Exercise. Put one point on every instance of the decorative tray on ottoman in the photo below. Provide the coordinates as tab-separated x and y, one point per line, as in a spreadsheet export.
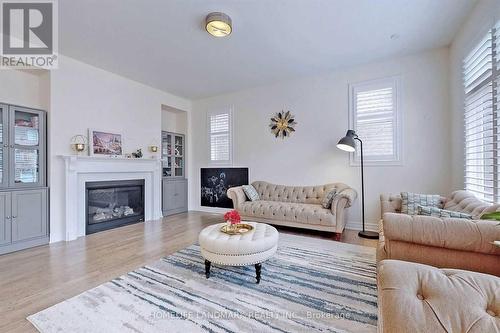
236	229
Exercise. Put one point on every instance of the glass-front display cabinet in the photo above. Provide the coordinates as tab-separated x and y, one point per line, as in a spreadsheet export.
22	156
173	154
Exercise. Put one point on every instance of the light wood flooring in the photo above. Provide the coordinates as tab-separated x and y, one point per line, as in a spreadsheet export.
34	279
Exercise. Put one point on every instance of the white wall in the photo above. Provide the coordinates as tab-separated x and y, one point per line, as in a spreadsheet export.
82	97
320	105
24	87
485	14
174	120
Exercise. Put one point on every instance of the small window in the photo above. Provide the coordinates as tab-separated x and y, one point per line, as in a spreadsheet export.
374	114
220	139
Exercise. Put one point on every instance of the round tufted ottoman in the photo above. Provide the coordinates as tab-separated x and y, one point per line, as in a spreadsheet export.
251	248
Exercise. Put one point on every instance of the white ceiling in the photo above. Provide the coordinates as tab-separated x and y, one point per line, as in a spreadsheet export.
163	43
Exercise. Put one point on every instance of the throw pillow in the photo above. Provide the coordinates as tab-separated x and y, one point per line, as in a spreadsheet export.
328	199
491	216
251	192
410	201
442	213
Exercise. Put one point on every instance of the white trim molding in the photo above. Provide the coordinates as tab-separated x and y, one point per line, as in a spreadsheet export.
82	169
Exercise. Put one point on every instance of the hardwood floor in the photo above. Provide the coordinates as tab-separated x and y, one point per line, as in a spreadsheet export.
34	279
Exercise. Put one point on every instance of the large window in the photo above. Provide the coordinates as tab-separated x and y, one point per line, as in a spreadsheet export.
481	78
374	114
219	130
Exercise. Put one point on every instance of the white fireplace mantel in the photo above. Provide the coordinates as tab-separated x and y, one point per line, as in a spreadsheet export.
82	169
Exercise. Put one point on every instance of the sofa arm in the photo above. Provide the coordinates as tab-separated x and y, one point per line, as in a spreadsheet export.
237	195
451	233
343	199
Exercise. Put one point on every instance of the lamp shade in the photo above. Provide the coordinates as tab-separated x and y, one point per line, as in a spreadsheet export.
347	143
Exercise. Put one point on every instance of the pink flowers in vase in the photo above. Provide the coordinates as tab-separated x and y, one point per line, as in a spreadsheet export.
232	217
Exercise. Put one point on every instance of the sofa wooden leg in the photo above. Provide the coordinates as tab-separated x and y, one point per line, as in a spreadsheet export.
337	236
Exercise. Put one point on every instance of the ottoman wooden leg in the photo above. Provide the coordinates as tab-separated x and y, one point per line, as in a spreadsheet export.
258	268
207	268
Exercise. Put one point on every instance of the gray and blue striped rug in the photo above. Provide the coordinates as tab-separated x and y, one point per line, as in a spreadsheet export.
311	285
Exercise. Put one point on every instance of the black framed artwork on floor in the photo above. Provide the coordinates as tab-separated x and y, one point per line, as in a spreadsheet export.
216	181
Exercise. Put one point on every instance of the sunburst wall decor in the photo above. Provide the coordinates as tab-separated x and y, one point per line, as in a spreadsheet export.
282	124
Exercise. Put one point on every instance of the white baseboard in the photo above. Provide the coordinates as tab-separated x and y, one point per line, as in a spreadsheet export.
357	225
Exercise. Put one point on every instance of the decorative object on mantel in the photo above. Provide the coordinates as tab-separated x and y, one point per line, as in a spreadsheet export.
104	143
78	143
282	124
137	153
153	149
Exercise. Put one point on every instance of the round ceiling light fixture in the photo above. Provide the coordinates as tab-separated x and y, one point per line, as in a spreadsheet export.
218	24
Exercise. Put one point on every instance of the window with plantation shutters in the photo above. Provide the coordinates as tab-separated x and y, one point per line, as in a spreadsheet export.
375	116
220	137
481	77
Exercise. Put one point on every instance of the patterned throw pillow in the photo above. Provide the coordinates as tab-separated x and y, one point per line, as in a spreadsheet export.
412	200
328	199
251	192
442	213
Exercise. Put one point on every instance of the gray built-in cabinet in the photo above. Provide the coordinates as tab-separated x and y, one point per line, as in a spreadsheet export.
23	191
174	183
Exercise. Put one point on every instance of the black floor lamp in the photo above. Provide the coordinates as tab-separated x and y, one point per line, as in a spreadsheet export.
348	143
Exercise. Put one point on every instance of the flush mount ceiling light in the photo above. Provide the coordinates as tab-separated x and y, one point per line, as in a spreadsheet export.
218	24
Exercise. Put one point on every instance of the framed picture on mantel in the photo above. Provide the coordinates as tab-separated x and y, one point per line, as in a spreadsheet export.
103	143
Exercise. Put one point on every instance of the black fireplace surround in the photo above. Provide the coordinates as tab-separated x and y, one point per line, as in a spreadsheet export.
112	204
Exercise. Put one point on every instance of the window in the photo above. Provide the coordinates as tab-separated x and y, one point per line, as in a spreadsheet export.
219	130
375	116
481	77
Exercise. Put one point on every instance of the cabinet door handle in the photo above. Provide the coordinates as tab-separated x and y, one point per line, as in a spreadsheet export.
6	145
14	217
7	217
11	146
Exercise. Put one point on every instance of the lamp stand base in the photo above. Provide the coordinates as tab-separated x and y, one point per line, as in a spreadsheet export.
368	234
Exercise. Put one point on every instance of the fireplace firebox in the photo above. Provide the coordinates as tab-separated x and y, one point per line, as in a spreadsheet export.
112	204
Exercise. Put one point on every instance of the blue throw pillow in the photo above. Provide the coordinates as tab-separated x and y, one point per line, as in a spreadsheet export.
410	201
442	213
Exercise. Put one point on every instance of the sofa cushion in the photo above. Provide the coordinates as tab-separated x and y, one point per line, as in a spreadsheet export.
410	201
295	194
420	298
450	233
251	192
328	198
288	211
438	212
464	201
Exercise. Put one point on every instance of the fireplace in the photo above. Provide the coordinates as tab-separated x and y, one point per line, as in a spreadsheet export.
112	204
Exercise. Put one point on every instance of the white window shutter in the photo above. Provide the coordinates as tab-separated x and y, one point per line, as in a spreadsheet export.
219	129
375	116
480	119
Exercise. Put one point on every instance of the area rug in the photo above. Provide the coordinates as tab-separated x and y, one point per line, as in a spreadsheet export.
310	285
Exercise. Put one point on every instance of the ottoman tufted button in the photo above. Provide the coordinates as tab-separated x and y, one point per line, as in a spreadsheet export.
420	297
491	312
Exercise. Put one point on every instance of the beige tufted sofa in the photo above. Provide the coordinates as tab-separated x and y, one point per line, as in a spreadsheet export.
413	297
449	242
295	206
419	298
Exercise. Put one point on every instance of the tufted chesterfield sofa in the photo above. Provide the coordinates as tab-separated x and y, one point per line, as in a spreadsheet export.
413	297
447	243
420	298
295	206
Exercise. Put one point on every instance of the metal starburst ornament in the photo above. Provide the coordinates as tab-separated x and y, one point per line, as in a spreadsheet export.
282	124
